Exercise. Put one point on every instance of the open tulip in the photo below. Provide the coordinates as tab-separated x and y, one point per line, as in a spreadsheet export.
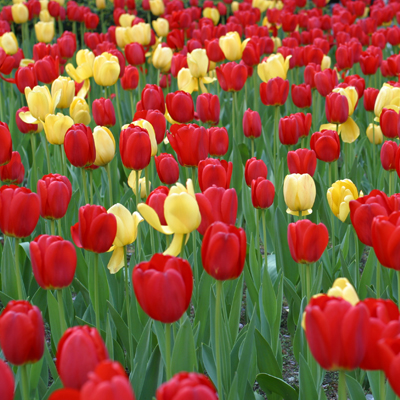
299	192
14	171
84	70
67	87
275	66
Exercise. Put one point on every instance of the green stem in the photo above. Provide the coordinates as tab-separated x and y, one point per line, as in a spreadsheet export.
391	183
61	168
168	351
146	175
308	281
33	146
356	272
137	203
378	280
342	395
59	227
18	271
182	254
46	147
96	291
128	309
264	227
373	148
218	354
382	386
276	137
252	147
84	184
91	185
25	382
110	194
63	321
256	94
118	105
60	27
132	102
257	238
303	142
332	224
194	177
52	227
102	20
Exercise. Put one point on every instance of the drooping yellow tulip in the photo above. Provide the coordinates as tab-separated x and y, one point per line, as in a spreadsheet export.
84	70
299	192
104	143
198	63
161	27
106	69
9	43
339	195
56	126
349	131
388	95
344	289
79	111
127	230
44	31
273	67
67	87
181	212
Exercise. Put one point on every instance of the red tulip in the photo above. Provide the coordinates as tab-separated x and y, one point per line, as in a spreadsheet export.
388	155
188	386
388	349
390	123
370	95
356	81
167	168
288	130
301	95
79	146
53	261
79	351
219	141
254	169
156	200
152	99
180	106
231	76
304	122
176	39
7	382
163	287
325	81
67	45
262	193
14	171
214	51
213	172
47	69
135	147
336	332
103	112
274	92
208	108
95	230
223	251
344	57
336	108
23	126
130	80
19	211
251	124
307	241
369	63
178	62
55	193
65	394
91	20
135	54
309	74
302	161
5	144
157	121
326	145
190	142
25	77
21	333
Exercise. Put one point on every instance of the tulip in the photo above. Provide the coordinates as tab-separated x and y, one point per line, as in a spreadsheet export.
162	58
67	45
254	169
108	379
389	356
91	20
135	147
351	95
25	77
343	289
344	57
326	145
40	102
374	134
188	385
79	111
67	87
251	124
156	201
79	146
172	279
6	144
275	66
336	108
167	168
135	54
46	69
156	120
161	27
14	171
79	351
307	241
219	141
190	142
44	31
262	193
130	80
390	121
369	63
388	155
56	127
178	62
106	69
301	95
23	126
103	112
213	172
370	95
186	81
104	143
288	130
19	211
339	195
85	61
182	215
180	106
231	46
275	92
55	192
157	7
223	242
299	192
198	64
212	13
142	184
302	161
141	33
152	99
336	332
176	39
20	13
232	76
208	108
7	382
8	42
385	97
325	81
125	20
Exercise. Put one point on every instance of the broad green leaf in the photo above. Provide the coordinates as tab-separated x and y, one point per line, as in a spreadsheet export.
269	383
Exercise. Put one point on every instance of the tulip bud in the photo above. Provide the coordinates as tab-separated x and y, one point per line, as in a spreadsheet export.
161	27
251	124
231	76
208	108
390	122
288	130
374	133
56	126
336	108
152	99
135	148
326	145
9	43
231	46
130	80
180	106
302	161
262	193
301	95
105	146
370	95
79	111
103	112
162	58
299	192
20	13
167	168
325	81
157	7
219	141
79	146
388	155
254	169
213	172
198	63
67	87
274	92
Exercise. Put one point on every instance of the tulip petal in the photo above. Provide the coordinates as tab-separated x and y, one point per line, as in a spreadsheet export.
116	261
152	219
175	247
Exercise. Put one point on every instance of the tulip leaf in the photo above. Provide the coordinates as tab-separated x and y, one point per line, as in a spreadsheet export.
234	315
307	384
244	152
266	360
355	390
269	383
109	338
57	384
366	277
184	344
54	318
233	392
209	363
8	271
25	246
253	293
122	328
35	370
154	375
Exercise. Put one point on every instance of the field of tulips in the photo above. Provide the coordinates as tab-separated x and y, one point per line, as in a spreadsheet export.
198	200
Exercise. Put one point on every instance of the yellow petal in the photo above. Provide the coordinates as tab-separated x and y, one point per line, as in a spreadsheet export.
349	131
116	261
175	247
152	219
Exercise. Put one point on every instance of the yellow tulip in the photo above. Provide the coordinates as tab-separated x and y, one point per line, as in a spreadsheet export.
60	2
84	60
44	31
125	20
162	58
142	184
349	131
25	62
374	134
325	63
262	5
106	69
273	67
210	12
45	16
56	126
343	288
157	7
299	193
150	130
9	43
18	1
140	33
79	111
127	230
161	27
20	13
235	6
44	4
101	4
40	102
231	46
388	95
351	95
105	145
121	36
186	81
339	195
198	63
181	213
67	87
277	43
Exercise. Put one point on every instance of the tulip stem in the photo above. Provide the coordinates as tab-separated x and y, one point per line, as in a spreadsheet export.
91	185
252	147
357	261
373	147
118	105
342	385
96	291
391	183
63	322
378	280
110	194
276	134
256	95
168	351
132	102
308	282
146	174
218	354
332	224
265	237
25	382
46	147
102	20
52	227
137	203
33	145
257	238
128	309
84	183
233	117
18	271
382	388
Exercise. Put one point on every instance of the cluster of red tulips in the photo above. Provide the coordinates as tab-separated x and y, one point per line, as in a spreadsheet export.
175	290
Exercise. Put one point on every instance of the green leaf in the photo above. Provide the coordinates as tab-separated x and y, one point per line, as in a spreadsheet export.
366	277
355	390
54	318
266	360
307	384
154	374
8	271
269	383
209	364
122	329
234	316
